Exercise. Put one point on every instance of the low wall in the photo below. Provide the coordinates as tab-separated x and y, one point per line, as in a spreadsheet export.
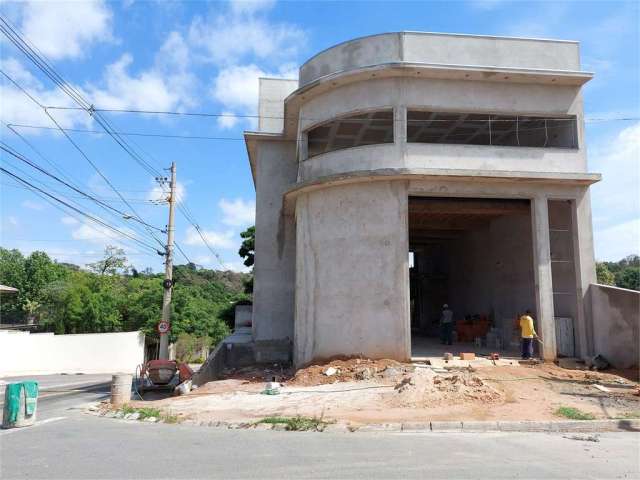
616	324
24	353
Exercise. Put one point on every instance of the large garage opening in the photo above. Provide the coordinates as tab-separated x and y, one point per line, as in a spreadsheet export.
475	255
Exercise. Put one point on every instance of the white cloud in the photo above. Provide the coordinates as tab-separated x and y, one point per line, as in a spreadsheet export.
616	199
66	29
250	6
69	221
18	108
237	87
227	121
237	212
228	38
31	205
225	240
90	231
616	242
158	192
167	85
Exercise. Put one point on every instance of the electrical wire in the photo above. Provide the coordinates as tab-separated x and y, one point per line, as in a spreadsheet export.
77	210
10	151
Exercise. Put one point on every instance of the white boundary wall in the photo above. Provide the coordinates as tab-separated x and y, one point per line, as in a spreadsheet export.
24	353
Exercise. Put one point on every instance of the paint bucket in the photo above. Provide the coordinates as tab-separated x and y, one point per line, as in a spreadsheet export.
121	388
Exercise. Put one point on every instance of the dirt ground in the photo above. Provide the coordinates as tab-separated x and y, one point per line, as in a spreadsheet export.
361	391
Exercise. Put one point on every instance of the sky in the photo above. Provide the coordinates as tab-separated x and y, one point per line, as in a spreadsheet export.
207	57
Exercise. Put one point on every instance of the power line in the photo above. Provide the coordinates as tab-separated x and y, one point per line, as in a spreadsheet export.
191	219
10	151
135	134
295	118
182	252
77	210
84	155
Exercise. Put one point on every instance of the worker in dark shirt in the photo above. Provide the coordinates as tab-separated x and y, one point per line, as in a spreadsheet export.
446	325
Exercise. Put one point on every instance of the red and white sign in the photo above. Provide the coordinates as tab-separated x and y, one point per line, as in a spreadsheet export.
163	326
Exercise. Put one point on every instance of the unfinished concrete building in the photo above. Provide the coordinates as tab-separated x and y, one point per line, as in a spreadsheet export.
407	170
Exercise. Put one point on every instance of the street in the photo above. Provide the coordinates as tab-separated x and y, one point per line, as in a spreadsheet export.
65	443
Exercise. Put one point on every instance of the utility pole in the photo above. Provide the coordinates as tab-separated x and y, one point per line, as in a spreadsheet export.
168	269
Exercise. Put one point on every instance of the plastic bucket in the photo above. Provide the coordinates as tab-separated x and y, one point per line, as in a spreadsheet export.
20	404
121	388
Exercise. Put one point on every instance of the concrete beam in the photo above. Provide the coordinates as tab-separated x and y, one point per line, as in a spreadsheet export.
458	206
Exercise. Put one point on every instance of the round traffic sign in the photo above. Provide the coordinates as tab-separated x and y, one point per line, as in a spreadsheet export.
163	326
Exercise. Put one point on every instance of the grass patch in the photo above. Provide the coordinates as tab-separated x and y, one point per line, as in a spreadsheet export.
296	423
146	412
170	418
574	414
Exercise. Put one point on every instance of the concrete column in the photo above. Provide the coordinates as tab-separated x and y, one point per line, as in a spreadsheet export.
543	279
585	271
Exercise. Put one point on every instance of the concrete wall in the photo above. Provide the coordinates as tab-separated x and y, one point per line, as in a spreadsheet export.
273	91
352	273
24	353
274	269
616	324
448	49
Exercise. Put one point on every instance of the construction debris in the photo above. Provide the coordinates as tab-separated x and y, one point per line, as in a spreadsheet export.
467	356
426	388
602	388
330	371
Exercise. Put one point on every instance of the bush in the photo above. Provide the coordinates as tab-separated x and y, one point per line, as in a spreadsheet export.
192	349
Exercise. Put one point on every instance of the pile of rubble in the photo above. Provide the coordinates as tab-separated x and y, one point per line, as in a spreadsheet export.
425	388
349	370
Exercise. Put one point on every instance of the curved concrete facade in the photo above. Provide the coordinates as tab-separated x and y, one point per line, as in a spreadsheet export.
332	231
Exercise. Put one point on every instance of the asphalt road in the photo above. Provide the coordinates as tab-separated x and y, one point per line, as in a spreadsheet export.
65	443
82	446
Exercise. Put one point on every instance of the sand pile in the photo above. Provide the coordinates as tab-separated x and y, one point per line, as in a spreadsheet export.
424	388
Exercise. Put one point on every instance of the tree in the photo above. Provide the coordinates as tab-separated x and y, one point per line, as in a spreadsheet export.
248	247
114	262
604	275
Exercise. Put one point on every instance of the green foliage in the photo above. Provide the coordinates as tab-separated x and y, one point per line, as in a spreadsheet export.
64	299
248	247
574	413
626	272
604	275
190	348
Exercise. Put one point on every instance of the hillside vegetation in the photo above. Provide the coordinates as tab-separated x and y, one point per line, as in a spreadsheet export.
109	296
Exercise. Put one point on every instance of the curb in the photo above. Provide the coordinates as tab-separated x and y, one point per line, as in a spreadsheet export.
569	426
549	426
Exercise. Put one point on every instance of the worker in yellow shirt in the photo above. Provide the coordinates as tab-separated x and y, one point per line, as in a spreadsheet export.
528	333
